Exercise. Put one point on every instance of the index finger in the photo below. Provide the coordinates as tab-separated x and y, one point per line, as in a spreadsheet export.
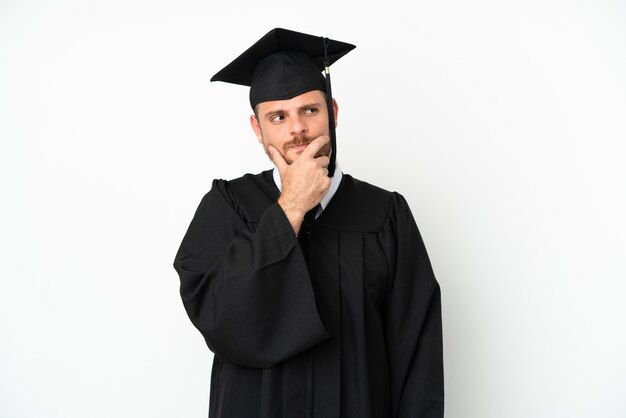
315	145
278	159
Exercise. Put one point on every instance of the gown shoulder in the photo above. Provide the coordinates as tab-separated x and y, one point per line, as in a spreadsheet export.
250	195
358	206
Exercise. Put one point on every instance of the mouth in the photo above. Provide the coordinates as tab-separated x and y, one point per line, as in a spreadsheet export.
298	148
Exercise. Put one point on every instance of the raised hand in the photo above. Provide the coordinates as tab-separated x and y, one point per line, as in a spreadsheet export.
304	182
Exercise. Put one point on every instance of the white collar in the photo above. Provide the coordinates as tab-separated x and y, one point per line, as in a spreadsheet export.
334	185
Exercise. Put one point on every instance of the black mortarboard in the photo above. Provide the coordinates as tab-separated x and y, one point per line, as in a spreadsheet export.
284	64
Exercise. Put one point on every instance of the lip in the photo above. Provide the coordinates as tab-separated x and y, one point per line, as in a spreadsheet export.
298	148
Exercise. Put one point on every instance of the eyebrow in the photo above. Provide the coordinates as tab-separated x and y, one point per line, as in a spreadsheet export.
281	111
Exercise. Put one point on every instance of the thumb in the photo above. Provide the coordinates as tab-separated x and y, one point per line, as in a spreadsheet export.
278	159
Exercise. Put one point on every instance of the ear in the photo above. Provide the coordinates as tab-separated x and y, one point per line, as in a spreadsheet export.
254	122
336	110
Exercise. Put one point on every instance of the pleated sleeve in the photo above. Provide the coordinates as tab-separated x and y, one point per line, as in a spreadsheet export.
413	320
246	289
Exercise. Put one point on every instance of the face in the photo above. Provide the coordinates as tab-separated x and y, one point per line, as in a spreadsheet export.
290	125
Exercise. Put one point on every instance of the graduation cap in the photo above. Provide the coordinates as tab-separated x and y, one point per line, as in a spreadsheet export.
284	64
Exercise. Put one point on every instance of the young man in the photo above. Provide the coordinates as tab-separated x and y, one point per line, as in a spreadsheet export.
313	289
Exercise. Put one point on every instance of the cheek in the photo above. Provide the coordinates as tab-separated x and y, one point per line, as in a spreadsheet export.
322	123
273	135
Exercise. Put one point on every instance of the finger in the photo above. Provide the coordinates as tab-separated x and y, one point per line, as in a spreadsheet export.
278	159
323	161
315	145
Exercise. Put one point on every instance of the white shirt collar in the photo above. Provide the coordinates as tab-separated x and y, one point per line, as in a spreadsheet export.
334	185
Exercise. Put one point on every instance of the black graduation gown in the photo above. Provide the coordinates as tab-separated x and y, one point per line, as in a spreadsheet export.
349	328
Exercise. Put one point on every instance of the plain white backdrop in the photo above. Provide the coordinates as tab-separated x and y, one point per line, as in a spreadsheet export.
503	123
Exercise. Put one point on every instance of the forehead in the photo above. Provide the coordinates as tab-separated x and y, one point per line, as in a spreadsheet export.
310	97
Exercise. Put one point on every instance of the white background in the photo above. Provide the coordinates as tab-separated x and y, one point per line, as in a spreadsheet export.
503	124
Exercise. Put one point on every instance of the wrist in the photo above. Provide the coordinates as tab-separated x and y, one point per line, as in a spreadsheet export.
289	207
293	213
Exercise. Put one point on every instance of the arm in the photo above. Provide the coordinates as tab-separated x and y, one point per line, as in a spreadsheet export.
413	319
248	293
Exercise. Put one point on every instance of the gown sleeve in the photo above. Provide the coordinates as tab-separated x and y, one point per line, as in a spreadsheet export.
413	321
247	292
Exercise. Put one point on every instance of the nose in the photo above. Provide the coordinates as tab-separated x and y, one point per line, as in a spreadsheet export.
298	125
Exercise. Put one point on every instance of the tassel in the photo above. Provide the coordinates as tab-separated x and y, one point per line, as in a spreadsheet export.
331	111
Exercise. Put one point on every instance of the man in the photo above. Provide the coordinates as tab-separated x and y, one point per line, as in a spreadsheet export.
313	289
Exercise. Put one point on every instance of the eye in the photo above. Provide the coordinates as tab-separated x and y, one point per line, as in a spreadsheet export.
277	118
310	110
